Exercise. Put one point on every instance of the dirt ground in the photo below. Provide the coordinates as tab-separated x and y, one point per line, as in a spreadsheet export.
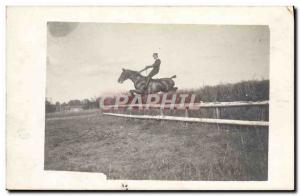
154	150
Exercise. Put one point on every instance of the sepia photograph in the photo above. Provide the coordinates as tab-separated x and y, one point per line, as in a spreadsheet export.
158	101
150	98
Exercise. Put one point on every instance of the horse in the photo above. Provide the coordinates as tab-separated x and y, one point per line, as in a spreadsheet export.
139	81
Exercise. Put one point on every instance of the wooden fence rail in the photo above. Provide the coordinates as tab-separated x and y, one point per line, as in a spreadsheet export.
200	105
189	119
187	107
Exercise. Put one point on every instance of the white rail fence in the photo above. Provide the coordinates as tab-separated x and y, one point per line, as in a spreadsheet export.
216	105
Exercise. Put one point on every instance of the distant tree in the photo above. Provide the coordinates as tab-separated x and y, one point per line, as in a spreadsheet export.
49	106
74	102
86	104
57	106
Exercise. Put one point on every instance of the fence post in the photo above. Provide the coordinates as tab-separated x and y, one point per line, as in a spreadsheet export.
217	116
161	114
217	111
186	115
186	112
129	108
161	111
262	113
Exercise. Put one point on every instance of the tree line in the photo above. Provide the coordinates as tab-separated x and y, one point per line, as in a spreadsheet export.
84	104
252	90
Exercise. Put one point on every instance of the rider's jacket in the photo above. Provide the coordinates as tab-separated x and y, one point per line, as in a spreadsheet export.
156	66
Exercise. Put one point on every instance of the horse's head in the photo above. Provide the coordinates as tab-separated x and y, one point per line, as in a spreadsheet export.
124	75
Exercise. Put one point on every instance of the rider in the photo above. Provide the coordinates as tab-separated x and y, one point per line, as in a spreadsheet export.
154	71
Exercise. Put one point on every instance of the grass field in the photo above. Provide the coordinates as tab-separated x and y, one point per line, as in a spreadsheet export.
154	150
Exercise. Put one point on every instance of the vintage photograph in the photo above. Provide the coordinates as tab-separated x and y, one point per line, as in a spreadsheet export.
178	102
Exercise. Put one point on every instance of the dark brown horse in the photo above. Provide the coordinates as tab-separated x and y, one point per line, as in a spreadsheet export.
139	81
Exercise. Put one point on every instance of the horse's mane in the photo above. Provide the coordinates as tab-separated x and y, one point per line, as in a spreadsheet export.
135	72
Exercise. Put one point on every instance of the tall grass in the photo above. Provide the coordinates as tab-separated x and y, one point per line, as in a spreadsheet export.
133	149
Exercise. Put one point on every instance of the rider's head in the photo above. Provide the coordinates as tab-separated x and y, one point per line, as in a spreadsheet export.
155	55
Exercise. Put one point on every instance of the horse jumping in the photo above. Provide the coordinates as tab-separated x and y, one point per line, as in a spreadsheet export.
139	81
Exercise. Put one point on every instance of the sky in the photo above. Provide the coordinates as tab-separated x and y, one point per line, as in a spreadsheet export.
84	60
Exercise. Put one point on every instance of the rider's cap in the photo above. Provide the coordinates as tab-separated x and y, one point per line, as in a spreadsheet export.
155	54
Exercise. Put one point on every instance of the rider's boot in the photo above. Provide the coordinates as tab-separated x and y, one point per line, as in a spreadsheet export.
147	83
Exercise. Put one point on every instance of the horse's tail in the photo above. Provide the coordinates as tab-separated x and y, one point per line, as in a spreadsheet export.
173	77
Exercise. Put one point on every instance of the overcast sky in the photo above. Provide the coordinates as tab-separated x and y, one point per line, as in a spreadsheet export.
84	60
